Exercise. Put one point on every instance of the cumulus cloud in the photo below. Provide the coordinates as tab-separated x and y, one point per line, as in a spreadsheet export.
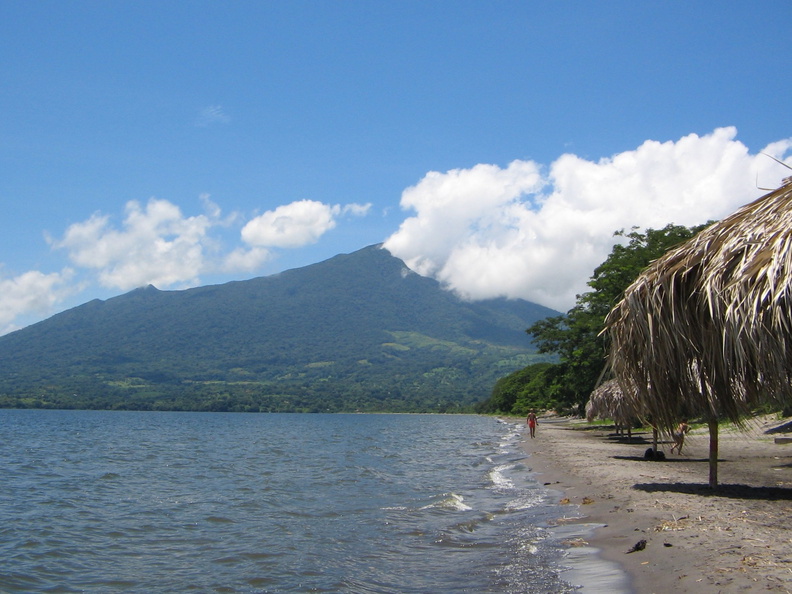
297	224
31	293
156	244
519	232
245	260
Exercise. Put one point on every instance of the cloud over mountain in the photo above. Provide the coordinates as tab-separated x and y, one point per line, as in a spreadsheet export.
526	229
523	231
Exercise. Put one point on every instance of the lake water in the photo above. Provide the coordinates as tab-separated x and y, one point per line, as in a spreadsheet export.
100	501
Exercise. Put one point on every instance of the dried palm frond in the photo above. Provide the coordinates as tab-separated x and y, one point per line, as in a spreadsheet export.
607	401
707	328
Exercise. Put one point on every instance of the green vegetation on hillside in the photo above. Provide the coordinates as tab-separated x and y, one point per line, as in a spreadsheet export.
356	332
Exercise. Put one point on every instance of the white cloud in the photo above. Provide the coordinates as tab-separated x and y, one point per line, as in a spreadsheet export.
475	205
289	226
357	210
156	245
487	231
211	208
292	225
31	293
245	260
212	114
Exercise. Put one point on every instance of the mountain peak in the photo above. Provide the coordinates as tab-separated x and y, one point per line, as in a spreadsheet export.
354	332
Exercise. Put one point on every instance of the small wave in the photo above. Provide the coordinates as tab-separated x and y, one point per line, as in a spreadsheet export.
450	501
524	502
116	584
499	480
259	582
260	556
219	520
229	560
509	442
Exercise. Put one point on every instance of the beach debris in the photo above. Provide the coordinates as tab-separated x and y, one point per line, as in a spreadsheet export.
565	501
574	542
675	524
638	546
667	544
587	501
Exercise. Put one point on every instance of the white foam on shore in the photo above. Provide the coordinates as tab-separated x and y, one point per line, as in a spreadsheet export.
526	501
584	568
499	479
450	501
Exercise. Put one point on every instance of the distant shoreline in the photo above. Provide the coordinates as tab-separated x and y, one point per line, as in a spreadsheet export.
696	540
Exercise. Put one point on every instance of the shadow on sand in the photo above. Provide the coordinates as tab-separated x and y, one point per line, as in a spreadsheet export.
668	459
729	491
785	428
635	439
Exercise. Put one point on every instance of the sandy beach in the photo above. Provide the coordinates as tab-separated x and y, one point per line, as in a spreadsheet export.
738	538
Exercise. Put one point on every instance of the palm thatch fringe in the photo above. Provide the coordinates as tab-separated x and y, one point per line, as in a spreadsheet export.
607	401
707	328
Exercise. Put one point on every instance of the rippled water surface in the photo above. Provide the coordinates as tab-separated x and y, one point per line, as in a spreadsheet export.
94	501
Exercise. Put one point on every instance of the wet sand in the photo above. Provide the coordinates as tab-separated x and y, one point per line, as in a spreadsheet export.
736	538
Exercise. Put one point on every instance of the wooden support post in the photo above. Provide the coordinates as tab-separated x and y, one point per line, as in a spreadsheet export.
713	451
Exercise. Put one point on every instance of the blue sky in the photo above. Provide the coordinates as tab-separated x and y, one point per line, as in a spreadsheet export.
493	145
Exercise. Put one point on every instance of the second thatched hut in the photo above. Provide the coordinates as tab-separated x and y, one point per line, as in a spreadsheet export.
607	401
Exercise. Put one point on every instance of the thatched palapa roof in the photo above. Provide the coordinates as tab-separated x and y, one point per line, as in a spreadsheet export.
707	328
607	401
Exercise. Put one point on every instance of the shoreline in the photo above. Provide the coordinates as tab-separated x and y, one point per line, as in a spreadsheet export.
697	540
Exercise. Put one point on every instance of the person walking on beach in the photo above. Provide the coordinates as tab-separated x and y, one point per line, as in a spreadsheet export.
679	437
531	420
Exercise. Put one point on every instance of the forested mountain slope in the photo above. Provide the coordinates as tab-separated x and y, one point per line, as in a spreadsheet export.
356	332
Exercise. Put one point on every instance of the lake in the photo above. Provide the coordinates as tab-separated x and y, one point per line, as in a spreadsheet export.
104	501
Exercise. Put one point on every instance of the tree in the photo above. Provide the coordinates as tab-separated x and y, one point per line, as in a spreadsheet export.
576	337
520	391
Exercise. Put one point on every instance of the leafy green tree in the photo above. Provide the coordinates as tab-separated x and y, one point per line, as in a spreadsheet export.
575	337
521	391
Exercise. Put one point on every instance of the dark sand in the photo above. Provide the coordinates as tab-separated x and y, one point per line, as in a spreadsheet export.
735	539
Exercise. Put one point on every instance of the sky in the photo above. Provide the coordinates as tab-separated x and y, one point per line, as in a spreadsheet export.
496	146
